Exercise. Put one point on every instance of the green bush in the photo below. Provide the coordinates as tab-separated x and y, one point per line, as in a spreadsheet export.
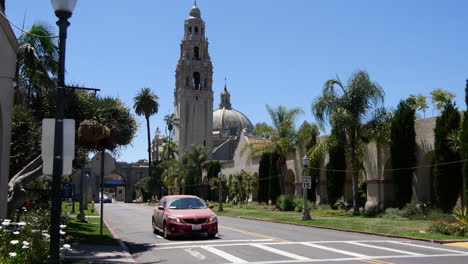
342	204
411	210
285	202
298	203
461	215
451	229
392	213
26	241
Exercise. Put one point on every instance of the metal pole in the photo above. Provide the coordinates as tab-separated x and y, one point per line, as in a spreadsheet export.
58	142
220	195
73	198
305	208
102	190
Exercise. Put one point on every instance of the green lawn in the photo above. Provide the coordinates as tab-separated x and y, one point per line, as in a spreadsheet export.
87	233
67	208
382	225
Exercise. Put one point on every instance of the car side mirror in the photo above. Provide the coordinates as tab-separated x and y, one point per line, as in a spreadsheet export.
160	207
210	206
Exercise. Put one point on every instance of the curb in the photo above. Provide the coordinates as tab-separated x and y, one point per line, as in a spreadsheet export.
116	237
353	231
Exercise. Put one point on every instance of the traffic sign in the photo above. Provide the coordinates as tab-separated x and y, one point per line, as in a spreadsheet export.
307	182
67	190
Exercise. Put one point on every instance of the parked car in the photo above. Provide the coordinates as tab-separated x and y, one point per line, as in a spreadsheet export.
106	198
178	215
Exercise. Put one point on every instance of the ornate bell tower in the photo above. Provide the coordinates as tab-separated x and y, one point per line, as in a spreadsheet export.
193	104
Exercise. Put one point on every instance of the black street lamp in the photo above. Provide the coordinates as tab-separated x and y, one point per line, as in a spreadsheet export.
220	192
305	208
183	186
63	10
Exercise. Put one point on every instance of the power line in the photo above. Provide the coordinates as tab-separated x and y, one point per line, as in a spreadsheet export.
23	31
397	169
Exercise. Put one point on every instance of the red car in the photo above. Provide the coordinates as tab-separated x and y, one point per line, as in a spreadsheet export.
178	215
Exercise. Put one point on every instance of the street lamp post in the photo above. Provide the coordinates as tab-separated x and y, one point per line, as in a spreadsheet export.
63	10
220	192
183	186
305	208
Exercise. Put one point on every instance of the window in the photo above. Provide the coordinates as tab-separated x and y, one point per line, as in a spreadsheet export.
186	82
196	53
196	30
190	30
196	81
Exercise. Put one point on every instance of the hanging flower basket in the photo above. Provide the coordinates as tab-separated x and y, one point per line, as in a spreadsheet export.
91	131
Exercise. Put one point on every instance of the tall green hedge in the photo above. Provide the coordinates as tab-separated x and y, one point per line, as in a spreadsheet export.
403	151
464	146
447	178
263	175
337	161
464	141
274	189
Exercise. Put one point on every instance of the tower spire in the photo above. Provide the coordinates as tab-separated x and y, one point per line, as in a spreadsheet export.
195	2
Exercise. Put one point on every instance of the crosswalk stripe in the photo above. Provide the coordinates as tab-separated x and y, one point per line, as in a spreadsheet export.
420	246
344	252
224	255
384	248
282	252
252	233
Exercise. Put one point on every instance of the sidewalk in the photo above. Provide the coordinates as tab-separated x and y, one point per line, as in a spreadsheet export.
99	253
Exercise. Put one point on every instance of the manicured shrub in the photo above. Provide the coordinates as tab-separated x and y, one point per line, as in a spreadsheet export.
447	178
263	175
298	203
335	179
285	202
451	229
274	189
403	151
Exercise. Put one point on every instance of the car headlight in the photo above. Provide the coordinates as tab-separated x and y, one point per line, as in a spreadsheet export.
173	219
213	218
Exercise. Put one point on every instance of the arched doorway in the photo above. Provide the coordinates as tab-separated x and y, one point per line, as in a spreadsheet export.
114	184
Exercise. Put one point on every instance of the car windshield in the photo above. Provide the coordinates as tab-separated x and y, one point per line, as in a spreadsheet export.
187	203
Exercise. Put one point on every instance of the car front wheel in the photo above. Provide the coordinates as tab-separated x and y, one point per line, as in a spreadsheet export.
155	230
164	230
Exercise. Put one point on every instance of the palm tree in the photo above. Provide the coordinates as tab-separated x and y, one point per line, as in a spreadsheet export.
169	151
346	109
282	140
171	122
37	60
146	103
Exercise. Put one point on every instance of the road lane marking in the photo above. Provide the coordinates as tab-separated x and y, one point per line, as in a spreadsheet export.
210	241
195	254
458	244
384	248
282	252
420	246
254	234
229	257
374	261
344	252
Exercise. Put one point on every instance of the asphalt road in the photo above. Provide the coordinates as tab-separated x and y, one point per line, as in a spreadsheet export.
249	241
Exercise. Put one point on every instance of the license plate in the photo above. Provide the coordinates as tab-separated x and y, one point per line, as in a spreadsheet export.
196	227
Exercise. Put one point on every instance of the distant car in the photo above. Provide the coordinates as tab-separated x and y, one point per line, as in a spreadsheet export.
106	199
178	215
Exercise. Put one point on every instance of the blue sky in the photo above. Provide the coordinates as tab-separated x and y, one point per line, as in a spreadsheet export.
272	52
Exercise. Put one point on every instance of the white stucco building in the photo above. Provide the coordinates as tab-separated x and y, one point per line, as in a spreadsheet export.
8	49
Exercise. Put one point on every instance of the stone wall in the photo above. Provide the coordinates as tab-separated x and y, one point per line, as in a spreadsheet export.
377	163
